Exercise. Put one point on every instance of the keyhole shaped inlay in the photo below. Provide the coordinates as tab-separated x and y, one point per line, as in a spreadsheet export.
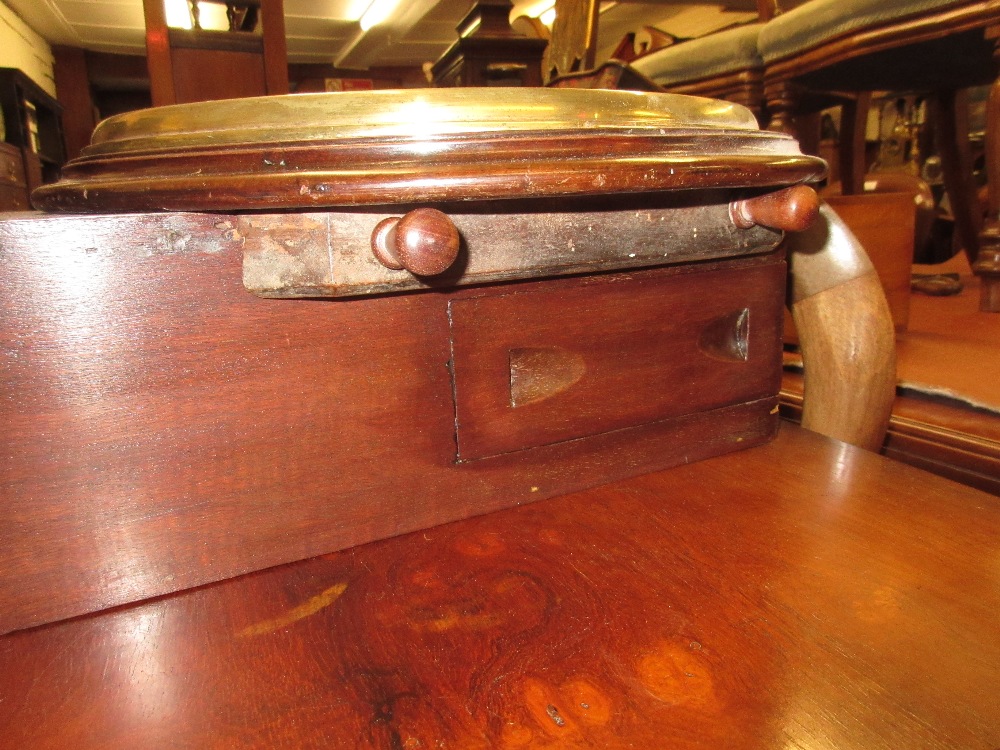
539	373
726	337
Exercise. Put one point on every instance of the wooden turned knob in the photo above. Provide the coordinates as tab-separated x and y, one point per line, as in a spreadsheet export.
424	242
793	209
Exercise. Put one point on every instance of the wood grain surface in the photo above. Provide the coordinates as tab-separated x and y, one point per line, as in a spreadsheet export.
271	175
803	594
335	254
163	427
643	352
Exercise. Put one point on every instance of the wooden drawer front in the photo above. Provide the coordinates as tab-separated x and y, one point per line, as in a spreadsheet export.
13	198
161	428
11	167
330	254
577	359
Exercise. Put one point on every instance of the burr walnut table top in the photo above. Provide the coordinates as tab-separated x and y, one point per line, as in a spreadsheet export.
800	594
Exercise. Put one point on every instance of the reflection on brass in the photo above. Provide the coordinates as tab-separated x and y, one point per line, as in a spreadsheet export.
420	114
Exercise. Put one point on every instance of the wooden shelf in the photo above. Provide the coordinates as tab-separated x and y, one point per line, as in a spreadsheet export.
33	122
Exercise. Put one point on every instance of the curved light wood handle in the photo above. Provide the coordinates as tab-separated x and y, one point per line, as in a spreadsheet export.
424	241
790	210
846	334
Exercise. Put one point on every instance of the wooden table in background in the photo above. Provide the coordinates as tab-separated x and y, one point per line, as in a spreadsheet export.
803	594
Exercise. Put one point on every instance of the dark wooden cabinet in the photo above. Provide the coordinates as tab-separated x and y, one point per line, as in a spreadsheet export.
13	188
268	430
33	124
489	52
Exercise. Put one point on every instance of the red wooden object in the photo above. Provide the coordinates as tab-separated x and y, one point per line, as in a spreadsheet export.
801	592
174	419
166	428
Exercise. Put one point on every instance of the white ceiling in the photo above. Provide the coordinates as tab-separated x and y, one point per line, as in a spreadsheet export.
325	31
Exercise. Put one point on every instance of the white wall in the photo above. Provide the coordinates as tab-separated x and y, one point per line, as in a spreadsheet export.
21	47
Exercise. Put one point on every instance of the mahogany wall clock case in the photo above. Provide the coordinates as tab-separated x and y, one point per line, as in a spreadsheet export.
250	332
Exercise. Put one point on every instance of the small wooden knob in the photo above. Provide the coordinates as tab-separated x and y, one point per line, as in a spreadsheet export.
425	242
793	209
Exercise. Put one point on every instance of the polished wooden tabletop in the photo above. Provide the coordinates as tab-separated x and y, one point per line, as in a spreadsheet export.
803	594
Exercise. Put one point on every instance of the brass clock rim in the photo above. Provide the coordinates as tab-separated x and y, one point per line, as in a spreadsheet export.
192	157
415	114
239	191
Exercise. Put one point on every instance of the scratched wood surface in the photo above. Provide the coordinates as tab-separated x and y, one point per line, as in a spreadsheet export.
330	254
161	427
384	148
803	594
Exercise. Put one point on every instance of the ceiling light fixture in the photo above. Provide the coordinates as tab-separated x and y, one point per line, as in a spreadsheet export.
545	10
211	16
378	12
178	14
534	9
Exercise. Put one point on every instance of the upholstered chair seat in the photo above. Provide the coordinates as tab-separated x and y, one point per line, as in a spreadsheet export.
725	65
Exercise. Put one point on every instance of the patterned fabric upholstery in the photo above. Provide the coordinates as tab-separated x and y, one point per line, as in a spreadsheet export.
818	21
727	51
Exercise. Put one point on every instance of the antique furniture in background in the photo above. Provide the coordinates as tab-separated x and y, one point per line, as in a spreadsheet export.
193	65
825	53
489	52
13	188
724	65
815	53
33	125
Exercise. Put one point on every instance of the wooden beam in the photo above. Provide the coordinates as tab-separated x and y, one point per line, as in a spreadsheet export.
161	71
275	46
73	93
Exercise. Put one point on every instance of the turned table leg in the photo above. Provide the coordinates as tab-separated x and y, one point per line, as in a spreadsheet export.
949	111
854	117
987	263
780	104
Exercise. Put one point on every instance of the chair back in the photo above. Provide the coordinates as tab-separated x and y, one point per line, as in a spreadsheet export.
192	65
573	46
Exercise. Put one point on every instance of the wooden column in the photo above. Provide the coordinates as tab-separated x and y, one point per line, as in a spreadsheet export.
780	103
854	117
161	70
272	14
950	114
73	93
